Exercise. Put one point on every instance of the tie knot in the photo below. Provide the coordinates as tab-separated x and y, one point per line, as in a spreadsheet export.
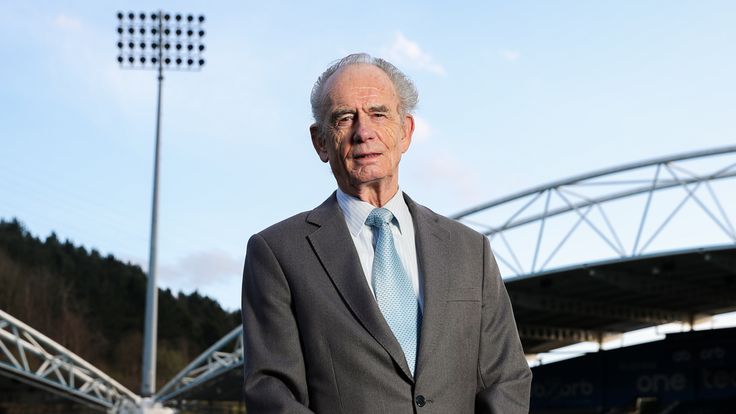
379	217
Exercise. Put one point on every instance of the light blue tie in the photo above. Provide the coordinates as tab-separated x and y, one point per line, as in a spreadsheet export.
392	287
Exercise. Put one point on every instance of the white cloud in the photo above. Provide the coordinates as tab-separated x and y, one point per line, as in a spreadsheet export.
408	53
510	55
69	23
201	268
214	273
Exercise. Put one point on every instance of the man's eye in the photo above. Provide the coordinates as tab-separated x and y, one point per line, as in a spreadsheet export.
344	120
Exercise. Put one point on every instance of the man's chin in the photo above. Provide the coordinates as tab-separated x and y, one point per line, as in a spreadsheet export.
367	180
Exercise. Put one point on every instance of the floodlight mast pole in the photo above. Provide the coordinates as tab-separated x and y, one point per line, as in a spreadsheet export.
175	43
150	333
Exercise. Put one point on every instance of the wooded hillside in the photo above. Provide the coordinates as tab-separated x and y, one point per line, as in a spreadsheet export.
94	306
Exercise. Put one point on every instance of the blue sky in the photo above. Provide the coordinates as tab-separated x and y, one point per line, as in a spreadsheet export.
512	95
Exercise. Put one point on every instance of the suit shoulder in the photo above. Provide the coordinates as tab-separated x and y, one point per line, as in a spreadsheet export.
290	227
296	228
453	226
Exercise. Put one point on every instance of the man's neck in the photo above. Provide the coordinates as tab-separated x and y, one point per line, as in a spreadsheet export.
377	196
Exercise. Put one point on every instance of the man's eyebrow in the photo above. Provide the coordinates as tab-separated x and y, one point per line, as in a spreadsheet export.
378	108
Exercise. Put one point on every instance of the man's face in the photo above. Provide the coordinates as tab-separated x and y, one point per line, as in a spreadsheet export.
363	133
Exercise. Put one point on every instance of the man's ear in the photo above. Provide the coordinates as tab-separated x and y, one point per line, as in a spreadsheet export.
408	132
318	141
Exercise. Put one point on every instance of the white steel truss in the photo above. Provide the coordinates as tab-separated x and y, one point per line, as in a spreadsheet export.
30	357
225	355
605	204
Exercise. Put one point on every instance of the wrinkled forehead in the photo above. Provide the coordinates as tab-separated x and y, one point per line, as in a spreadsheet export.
359	82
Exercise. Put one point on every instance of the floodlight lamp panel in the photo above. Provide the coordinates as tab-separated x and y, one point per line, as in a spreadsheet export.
142	45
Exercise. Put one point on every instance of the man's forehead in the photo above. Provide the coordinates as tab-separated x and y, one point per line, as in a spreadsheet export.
363	93
363	82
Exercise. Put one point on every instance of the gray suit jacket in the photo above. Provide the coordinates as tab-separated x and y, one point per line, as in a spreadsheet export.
316	341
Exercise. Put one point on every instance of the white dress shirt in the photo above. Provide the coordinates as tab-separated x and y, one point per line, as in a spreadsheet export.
402	228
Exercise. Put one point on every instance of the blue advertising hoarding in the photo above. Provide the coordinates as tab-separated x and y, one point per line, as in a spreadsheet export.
685	367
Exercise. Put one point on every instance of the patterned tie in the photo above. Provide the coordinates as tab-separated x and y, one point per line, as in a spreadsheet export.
392	287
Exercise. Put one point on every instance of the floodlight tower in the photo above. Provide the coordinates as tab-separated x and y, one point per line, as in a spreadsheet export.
159	41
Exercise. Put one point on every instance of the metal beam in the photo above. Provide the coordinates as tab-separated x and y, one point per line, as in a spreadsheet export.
563	334
226	354
596	174
31	357
662	185
580	307
578	195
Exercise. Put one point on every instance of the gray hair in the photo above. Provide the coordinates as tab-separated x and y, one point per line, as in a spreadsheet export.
405	89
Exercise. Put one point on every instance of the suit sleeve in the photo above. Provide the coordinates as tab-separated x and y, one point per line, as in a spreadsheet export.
504	377
275	380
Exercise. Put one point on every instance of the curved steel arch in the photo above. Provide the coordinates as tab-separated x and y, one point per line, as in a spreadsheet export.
30	357
721	164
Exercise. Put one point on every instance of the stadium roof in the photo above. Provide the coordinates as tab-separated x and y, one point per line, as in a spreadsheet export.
593	302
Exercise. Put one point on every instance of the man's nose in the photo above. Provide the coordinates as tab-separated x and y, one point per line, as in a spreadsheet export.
363	129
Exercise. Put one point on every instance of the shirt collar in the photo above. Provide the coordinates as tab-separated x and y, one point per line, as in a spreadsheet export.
356	211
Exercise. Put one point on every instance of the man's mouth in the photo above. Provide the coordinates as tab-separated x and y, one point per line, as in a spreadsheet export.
366	156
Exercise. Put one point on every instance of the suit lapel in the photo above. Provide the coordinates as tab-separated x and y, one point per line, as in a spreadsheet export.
336	251
432	246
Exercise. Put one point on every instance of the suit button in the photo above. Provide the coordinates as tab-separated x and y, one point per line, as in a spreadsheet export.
420	400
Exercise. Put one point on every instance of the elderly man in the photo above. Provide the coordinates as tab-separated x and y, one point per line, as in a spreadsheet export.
372	303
